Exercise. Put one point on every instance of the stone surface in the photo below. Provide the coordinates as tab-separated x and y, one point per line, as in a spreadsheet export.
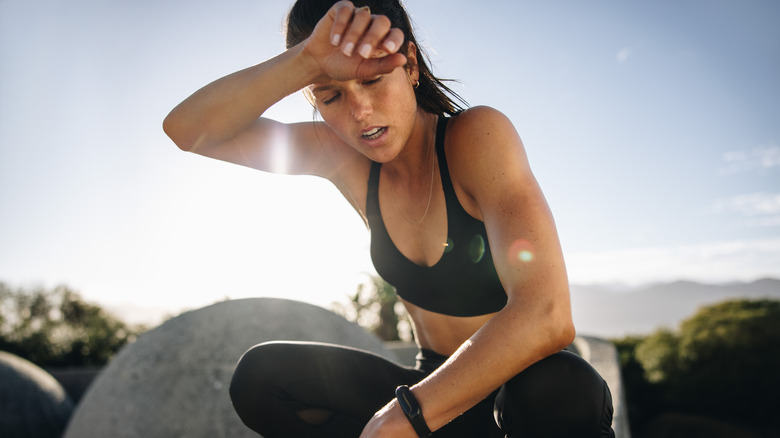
75	380
173	381
32	403
602	355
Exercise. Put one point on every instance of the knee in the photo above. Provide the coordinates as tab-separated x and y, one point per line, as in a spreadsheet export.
560	396
253	378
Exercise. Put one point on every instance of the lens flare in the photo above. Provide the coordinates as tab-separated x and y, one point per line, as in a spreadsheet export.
521	251
278	149
476	249
449	245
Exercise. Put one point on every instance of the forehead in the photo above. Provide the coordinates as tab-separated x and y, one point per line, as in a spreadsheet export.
321	87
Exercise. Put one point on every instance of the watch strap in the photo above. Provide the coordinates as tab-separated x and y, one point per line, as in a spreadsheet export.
412	410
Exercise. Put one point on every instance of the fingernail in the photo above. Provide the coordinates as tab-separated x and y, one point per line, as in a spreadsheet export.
365	50
335	39
390	46
348	48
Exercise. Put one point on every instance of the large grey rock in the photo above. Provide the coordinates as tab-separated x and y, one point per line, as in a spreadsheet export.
32	402
173	381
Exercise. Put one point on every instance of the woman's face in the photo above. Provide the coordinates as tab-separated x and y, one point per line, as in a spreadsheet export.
374	116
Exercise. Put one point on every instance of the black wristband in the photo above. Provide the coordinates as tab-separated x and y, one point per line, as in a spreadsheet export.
412	410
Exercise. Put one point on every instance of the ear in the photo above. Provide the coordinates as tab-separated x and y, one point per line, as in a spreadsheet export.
412	67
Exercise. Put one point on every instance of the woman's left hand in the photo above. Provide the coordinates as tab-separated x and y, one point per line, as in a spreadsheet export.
389	422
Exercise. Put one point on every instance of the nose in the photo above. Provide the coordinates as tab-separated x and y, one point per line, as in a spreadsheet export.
360	106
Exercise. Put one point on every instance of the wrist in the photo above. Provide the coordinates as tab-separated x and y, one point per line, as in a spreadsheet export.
308	65
412	411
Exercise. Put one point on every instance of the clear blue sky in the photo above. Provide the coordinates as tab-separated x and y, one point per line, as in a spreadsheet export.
653	127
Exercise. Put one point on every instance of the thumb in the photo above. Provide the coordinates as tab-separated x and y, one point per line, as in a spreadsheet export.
383	65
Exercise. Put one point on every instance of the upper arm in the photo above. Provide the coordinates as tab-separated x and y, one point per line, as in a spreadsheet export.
306	148
493	170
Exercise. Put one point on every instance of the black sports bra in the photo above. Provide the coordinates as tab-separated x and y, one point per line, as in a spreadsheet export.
464	282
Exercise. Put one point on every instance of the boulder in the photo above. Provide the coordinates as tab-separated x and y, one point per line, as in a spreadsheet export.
32	403
173	381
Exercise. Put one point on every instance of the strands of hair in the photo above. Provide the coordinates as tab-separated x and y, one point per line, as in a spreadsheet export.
432	94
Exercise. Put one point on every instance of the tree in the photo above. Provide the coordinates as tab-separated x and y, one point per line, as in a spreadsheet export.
722	362
375	306
58	328
730	354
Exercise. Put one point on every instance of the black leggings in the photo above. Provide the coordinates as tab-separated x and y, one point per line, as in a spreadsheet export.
560	396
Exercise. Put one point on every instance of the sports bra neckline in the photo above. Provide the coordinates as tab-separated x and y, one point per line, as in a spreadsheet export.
452	204
464	281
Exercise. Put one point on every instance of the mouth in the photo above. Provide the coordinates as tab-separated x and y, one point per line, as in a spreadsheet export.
374	133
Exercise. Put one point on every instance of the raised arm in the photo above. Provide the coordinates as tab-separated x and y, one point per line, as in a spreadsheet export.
223	119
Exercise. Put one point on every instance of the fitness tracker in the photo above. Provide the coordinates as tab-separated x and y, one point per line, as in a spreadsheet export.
412	410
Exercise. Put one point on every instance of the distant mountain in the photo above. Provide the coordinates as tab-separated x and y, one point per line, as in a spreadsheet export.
611	311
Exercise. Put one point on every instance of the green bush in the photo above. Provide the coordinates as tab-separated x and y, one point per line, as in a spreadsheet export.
57	328
723	362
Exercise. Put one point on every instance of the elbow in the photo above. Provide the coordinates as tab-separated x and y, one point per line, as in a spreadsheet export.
552	326
173	129
561	327
556	337
565	335
558	328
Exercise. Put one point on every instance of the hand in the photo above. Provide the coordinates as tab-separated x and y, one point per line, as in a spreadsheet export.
389	422
351	43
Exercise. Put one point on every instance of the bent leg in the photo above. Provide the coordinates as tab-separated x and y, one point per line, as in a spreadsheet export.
278	384
560	396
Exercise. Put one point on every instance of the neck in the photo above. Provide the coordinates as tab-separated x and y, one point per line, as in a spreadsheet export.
413	163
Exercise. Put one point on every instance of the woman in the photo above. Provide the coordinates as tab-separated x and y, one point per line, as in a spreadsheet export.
459	226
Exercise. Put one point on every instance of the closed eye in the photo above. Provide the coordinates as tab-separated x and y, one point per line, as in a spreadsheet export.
330	100
374	81
336	96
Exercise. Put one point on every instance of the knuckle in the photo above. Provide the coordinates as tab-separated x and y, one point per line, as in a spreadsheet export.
343	9
382	20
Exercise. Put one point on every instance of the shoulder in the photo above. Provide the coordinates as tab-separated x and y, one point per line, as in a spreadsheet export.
484	151
483	125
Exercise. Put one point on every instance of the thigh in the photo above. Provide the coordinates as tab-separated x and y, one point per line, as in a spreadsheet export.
274	381
559	396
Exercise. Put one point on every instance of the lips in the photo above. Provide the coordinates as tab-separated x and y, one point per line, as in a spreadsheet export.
373	133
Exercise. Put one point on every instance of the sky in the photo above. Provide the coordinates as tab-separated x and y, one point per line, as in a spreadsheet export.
652	127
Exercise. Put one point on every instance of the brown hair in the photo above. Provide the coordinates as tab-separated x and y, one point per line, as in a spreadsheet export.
432	95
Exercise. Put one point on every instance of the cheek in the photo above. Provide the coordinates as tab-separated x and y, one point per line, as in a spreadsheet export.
331	115
336	122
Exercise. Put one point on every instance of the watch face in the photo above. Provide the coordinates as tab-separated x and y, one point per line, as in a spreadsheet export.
412	410
408	403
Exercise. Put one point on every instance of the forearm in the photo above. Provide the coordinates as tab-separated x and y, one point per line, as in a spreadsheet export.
512	341
224	108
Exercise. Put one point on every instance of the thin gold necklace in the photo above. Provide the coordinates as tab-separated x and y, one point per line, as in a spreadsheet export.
430	196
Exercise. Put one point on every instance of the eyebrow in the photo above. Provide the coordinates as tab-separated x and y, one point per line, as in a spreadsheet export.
322	88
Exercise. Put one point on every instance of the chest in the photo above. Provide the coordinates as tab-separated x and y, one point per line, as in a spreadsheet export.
418	230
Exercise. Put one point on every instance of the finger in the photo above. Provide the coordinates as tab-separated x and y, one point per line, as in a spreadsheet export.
379	66
393	40
389	45
361	19
376	32
341	13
